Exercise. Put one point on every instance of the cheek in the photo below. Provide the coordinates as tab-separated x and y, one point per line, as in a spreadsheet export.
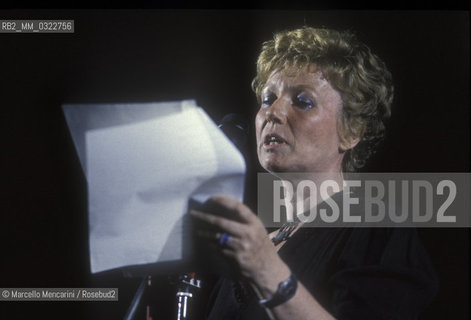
258	125
320	133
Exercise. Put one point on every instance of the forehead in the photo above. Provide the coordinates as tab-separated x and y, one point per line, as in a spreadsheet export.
308	77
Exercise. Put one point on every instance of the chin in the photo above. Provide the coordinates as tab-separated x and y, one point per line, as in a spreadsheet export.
274	167
275	164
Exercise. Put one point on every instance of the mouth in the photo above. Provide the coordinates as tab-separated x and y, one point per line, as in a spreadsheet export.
273	139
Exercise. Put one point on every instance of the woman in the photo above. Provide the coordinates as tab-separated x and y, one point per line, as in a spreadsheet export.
323	98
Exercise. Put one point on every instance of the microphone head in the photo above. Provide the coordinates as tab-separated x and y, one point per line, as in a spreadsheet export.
236	128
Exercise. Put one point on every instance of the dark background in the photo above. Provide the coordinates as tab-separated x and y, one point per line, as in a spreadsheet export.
207	55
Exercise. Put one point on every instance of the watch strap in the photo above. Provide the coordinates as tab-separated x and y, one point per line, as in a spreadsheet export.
286	290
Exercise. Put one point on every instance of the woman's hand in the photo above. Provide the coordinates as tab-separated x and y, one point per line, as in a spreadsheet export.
248	246
256	258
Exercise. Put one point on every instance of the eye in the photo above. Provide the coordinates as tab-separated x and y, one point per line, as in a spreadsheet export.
301	101
268	99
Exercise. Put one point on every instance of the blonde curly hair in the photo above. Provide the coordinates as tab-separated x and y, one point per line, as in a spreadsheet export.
361	78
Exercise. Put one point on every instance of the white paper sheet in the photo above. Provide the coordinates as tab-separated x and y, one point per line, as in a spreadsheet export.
143	162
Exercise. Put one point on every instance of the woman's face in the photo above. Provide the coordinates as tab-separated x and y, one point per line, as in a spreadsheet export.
296	125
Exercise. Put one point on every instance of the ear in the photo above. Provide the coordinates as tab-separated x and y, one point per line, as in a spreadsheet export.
348	143
349	140
349	135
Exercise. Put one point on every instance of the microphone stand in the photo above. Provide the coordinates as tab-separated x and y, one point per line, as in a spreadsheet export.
187	284
138	297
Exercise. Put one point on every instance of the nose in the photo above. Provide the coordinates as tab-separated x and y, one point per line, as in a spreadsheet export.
277	112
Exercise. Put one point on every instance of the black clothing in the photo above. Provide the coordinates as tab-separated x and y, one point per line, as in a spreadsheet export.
354	273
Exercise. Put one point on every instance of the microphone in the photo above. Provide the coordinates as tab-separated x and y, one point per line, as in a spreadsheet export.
236	129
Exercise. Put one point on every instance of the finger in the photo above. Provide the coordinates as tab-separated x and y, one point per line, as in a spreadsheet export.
224	224
238	209
233	244
229	253
221	239
207	234
214	240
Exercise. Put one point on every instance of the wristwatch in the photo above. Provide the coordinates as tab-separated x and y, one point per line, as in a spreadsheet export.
286	290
